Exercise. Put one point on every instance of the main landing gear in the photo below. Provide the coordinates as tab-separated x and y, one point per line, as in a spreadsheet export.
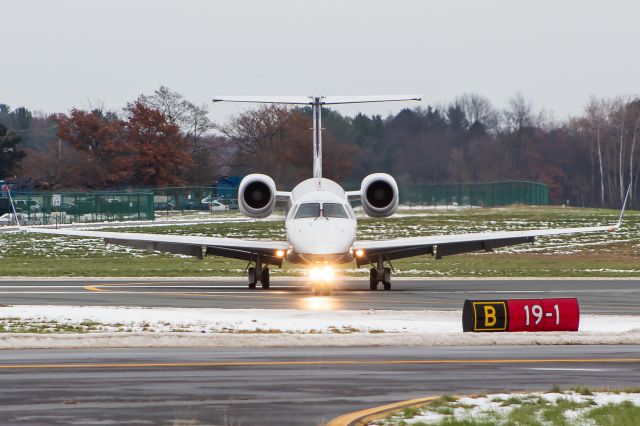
258	273
380	275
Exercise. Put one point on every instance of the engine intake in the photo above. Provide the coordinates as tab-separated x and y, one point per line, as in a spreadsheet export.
257	195
379	195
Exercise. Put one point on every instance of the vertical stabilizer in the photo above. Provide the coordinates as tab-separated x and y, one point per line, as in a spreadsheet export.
317	141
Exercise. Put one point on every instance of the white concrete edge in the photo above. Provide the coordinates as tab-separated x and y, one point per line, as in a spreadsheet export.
173	340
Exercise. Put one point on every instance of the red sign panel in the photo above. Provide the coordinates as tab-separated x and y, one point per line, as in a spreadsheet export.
543	314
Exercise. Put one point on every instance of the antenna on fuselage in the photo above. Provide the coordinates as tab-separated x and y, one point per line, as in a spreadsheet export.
316	103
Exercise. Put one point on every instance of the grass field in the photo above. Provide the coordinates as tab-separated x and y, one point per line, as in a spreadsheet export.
576	407
618	254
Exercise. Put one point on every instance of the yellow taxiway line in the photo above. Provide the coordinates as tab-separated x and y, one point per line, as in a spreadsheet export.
113	288
325	362
369	414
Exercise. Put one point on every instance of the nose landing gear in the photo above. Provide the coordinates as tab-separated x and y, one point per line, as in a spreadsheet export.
321	280
321	289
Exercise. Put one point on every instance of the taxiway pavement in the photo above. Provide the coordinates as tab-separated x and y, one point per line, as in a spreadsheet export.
291	386
296	386
606	296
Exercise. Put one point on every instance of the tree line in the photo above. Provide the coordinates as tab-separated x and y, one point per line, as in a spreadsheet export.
162	139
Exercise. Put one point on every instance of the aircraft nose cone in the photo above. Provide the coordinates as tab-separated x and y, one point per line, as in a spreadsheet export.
322	236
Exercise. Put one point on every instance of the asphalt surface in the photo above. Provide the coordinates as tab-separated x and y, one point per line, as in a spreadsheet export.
291	386
595	296
304	387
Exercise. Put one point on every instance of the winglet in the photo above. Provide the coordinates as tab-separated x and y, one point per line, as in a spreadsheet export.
624	206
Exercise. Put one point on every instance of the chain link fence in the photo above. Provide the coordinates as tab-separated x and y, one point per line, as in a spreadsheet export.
485	194
75	207
194	198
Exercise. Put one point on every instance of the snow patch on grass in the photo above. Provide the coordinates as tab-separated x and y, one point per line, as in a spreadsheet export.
316	324
551	408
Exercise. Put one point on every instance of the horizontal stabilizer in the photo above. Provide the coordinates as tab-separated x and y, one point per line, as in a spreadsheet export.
310	100
333	100
288	100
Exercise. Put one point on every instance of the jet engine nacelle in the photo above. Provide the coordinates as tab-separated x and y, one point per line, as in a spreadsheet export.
379	195
257	195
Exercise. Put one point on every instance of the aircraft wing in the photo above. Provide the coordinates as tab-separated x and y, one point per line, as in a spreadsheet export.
446	245
183	244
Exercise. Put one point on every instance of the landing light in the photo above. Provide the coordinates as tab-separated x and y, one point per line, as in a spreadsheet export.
322	274
359	253
279	253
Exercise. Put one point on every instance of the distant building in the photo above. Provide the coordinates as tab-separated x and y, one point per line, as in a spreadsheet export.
227	186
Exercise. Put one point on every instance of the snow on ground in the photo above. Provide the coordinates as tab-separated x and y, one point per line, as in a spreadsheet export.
316	324
160	220
495	408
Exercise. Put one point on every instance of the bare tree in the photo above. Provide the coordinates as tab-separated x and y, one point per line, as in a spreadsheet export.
198	123
276	140
635	110
596	119
56	166
171	104
618	116
519	113
478	109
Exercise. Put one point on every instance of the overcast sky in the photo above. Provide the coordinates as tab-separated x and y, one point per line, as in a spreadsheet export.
59	54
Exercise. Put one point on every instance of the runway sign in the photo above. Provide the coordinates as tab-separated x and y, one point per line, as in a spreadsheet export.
521	315
485	315
543	314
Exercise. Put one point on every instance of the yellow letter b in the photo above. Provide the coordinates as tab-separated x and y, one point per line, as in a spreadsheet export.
489	316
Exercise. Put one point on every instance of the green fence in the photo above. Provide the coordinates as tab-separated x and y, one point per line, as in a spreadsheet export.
193	198
69	207
72	207
486	194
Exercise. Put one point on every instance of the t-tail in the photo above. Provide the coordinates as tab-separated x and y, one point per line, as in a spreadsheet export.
316	103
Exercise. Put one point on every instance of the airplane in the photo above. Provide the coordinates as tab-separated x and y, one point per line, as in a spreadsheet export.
320	221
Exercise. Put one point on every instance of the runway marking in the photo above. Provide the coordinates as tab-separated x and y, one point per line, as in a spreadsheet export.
40	286
97	288
369	414
42	292
326	362
569	369
277	291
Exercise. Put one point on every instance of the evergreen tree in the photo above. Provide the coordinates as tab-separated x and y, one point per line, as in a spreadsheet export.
10	156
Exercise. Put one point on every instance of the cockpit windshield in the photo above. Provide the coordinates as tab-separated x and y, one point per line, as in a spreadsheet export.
334	210
312	210
307	210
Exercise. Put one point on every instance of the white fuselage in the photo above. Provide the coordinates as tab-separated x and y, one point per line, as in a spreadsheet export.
320	223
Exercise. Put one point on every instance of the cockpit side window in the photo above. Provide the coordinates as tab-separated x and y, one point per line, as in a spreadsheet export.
307	210
334	210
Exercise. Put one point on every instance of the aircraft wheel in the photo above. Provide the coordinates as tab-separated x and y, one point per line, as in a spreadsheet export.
251	272
387	279
265	278
373	279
